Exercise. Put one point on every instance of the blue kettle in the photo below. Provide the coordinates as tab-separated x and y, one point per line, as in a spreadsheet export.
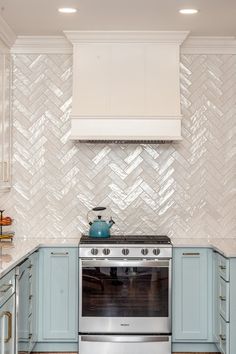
99	227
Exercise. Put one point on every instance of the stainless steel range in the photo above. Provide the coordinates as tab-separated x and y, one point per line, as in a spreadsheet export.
125	295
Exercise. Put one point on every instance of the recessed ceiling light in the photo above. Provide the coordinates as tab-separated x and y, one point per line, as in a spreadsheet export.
188	11
67	10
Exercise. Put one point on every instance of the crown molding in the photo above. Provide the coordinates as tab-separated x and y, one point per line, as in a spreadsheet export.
209	45
126	36
61	45
7	35
41	45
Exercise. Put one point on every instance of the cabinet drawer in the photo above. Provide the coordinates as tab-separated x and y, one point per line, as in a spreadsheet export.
7	286
224	299
223	264
224	336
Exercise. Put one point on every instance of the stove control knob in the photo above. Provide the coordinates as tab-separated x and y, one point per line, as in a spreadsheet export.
125	251
144	251
106	251
94	251
156	251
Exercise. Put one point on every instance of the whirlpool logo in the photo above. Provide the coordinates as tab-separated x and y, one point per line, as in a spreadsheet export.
124	324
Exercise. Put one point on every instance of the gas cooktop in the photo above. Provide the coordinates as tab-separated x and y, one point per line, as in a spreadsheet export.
127	239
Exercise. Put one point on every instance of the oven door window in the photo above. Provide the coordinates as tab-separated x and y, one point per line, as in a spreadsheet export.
125	291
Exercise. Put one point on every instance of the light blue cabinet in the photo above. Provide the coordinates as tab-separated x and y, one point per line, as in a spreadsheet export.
27	294
33	300
192	295
225	304
23	292
58	295
7	313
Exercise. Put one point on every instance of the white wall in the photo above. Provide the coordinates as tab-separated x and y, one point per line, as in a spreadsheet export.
185	189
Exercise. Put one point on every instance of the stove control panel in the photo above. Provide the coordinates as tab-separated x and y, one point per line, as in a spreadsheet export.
125	251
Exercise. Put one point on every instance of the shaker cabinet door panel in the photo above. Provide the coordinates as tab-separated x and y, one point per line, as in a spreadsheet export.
191	288
58	294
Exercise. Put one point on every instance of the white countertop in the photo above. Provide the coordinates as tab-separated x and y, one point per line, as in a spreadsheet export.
226	246
13	253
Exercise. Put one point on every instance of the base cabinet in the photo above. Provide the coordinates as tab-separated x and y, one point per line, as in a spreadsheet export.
27	307
23	306
7	314
225	303
58	295
7	317
192	295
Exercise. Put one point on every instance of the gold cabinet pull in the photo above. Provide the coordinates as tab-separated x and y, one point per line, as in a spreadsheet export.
9	326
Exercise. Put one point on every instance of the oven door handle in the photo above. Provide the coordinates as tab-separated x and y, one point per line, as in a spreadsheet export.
125	263
124	339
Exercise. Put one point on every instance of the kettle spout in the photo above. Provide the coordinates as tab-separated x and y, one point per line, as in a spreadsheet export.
111	222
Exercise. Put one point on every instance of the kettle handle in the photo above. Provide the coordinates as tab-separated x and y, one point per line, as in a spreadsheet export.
94	209
89	221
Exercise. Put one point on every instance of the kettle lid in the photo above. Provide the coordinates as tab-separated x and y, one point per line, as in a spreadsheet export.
99	208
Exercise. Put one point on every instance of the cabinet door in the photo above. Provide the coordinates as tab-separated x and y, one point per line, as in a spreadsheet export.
23	307
7	326
216	314
33	300
5	122
58	284
190	294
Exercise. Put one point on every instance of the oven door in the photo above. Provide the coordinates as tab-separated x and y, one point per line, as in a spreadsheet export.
125	296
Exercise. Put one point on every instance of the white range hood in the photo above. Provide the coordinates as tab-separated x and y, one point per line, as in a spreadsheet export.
126	85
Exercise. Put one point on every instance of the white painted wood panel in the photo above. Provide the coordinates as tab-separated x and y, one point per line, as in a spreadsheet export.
132	77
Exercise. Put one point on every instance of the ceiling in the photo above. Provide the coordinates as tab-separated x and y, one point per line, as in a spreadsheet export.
40	17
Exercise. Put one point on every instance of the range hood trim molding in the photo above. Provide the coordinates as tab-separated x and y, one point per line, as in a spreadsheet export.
125	129
165	37
126	117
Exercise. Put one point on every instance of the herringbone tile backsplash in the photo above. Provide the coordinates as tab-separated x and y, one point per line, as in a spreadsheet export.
185	190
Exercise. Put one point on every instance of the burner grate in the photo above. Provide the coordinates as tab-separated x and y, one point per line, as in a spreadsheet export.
127	239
